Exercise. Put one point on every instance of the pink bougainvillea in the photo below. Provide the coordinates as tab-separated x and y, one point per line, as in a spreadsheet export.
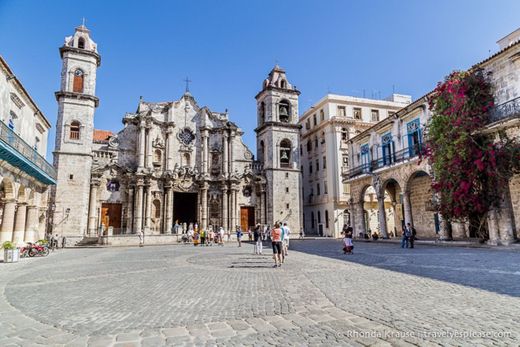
470	168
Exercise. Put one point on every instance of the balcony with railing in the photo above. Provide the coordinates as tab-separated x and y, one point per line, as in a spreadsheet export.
392	159
15	151
257	166
506	110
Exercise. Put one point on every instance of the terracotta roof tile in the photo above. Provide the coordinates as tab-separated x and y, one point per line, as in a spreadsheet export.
101	135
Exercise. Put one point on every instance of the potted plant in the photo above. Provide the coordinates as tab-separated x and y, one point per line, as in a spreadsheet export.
11	253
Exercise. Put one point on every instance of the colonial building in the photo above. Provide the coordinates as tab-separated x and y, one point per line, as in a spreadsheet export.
325	130
25	175
387	161
174	164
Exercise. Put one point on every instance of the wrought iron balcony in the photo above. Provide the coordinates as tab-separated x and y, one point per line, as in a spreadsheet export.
18	153
394	158
508	109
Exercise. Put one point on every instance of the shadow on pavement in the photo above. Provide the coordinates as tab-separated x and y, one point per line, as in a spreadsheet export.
493	270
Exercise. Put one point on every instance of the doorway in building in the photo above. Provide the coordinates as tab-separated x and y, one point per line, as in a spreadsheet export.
185	207
111	217
247	217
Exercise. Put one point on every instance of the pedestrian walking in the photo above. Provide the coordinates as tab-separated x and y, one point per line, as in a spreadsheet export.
276	241
407	233
301	234
63	241
202	237
239	236
141	238
287	235
413	235
258	239
221	236
347	243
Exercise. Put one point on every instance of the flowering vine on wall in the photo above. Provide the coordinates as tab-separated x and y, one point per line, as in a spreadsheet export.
470	167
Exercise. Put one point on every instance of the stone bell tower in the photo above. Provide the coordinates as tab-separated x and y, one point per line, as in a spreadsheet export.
277	139
75	125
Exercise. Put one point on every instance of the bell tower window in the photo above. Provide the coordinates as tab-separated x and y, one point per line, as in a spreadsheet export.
81	43
74	130
285	153
262	113
77	86
284	111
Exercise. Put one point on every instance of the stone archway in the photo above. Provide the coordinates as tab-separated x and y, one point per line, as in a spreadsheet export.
395	212
422	210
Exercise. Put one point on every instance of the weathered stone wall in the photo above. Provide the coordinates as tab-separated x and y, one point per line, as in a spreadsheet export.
420	194
514	187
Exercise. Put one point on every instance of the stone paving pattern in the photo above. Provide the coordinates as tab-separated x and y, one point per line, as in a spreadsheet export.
226	296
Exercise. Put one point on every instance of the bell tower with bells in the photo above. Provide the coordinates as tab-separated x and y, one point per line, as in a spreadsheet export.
277	140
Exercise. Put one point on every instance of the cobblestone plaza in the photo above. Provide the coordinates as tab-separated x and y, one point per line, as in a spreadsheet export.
226	296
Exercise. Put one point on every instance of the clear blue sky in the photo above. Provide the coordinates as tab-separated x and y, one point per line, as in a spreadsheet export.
228	47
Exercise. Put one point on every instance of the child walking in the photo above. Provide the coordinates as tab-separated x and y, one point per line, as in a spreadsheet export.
347	243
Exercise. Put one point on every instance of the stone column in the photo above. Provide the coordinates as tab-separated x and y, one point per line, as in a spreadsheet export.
444	232
382	215
230	151
204	139
225	218
130	212
493	229
204	207
225	154
360	217
232	209
92	207
138	219
236	210
263	218
142	136
31	228
407	208
149	148
169	146
506	222
148	214
260	208
19	223
169	210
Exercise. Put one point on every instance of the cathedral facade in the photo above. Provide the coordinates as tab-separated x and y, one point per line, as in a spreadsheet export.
174	164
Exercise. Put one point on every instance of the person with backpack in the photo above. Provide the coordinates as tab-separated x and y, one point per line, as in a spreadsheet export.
407	233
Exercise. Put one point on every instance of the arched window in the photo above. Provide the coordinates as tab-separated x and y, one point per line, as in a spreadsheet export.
285	153
261	154
262	113
319	217
157	157
283	84
322	115
315	141
312	220
77	86
81	43
327	219
74	130
284	110
186	159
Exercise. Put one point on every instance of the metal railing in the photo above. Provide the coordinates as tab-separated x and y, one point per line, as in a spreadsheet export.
393	158
8	136
505	110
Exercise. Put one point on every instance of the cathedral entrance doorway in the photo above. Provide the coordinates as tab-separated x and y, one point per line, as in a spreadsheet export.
247	217
185	207
111	217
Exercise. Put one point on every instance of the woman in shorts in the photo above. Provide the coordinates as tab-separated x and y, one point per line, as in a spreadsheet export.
276	239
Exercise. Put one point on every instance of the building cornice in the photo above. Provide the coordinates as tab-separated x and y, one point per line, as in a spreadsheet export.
280	90
65	49
278	124
79	96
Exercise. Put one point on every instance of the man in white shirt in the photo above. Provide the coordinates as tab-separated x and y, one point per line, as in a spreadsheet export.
287	234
